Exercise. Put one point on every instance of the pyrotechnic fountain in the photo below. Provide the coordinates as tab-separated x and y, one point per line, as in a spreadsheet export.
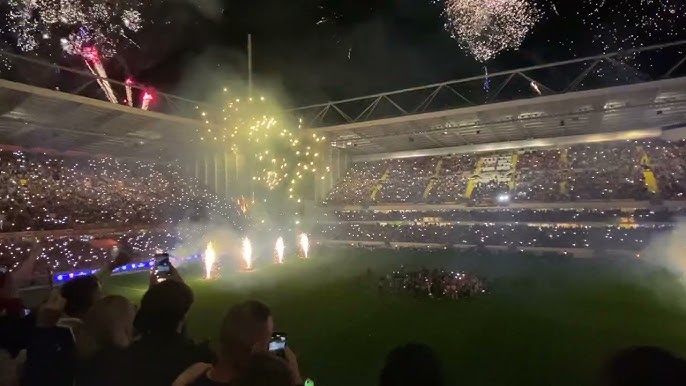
210	259
247	254
279	250
304	243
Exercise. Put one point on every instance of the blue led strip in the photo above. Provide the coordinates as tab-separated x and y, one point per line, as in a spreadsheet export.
123	270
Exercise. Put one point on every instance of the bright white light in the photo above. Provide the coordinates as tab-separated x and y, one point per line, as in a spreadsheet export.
504	198
279	249
210	259
247	254
304	242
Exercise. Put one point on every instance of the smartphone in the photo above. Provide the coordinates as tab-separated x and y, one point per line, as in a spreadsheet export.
277	344
162	269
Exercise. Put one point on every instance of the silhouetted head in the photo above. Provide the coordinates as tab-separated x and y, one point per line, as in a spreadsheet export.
412	365
645	366
80	294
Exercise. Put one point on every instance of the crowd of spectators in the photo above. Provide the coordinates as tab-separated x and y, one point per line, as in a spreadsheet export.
78	336
71	253
669	167
603	171
357	185
407	180
515	215
434	283
451	182
511	235
47	192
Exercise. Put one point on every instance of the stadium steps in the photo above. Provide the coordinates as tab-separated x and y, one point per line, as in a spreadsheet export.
564	166
432	180
513	182
471	183
378	186
648	175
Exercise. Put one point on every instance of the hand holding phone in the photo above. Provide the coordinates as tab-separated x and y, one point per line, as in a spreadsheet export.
163	268
277	344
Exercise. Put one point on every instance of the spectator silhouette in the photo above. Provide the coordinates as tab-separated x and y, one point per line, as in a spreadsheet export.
246	329
163	350
107	331
645	366
412	365
51	352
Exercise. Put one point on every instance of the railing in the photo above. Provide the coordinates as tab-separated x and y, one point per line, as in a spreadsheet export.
624	67
40	73
637	65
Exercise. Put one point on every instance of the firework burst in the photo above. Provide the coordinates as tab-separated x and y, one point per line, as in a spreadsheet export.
485	28
73	24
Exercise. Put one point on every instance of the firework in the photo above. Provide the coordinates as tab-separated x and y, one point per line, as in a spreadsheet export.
279	250
534	86
281	155
74	23
304	242
487	27
618	25
92	58
210	259
247	254
129	94
145	100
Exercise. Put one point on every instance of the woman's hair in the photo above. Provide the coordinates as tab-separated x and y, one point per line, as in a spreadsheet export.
163	308
244	325
109	323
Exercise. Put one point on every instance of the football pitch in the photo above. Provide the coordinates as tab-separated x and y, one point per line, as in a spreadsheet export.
545	320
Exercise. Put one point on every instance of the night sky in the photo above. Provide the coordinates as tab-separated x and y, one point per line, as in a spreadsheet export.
311	51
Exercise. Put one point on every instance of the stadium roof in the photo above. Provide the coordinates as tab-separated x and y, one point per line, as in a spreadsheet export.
34	116
603	93
597	94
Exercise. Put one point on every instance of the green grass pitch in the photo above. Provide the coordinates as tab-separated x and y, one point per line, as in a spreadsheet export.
546	321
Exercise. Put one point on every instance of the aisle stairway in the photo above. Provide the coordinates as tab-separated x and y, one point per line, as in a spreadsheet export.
471	184
513	182
378	186
648	175
432	180
565	171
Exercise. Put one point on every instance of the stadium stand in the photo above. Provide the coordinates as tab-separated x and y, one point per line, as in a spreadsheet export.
628	170
45	192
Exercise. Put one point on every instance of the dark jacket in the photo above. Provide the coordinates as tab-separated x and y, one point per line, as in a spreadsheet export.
159	359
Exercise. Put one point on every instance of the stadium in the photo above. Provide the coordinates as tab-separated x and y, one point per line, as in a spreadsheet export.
526	234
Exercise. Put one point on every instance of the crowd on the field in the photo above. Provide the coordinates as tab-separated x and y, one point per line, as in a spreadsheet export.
605	171
49	192
435	283
488	234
